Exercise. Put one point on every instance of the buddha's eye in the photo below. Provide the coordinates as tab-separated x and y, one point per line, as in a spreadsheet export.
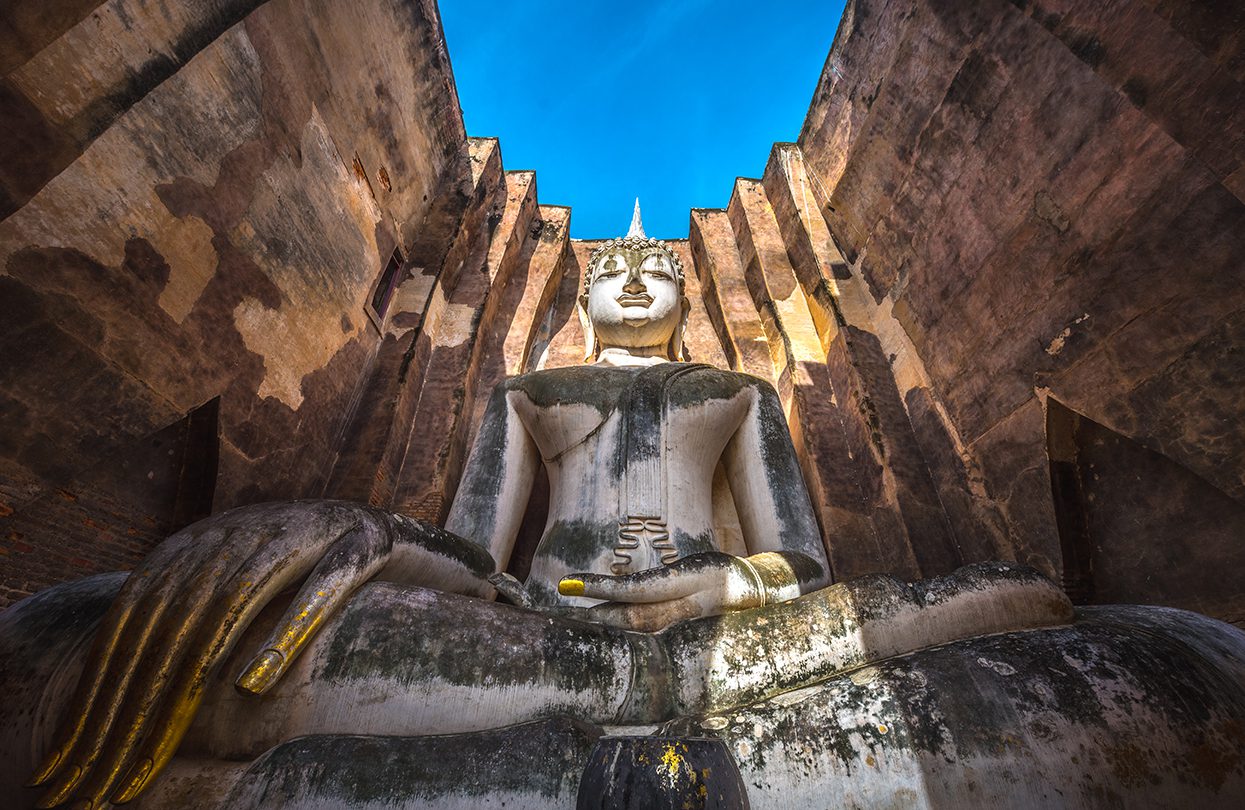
610	268
656	267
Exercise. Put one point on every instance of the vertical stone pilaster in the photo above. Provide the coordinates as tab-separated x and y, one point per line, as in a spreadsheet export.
435	449
803	381
420	301
561	339
520	306
727	301
895	425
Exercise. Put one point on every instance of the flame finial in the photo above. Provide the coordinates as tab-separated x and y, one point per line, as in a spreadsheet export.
637	227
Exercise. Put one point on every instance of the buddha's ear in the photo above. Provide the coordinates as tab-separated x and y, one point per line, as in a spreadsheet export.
591	349
674	349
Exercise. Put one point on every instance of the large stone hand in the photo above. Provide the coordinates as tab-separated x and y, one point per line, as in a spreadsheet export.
699	585
180	613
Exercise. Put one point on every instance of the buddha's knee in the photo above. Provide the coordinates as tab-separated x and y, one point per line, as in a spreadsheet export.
736	658
1125	706
401	660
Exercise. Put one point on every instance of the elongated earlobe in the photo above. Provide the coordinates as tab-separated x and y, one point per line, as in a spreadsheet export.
591	347
674	349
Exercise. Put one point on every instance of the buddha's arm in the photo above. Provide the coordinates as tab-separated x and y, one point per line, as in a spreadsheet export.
184	607
771	499
476	542
497	482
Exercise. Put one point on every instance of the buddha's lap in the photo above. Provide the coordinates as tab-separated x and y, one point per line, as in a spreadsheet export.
1118	707
400	660
407	660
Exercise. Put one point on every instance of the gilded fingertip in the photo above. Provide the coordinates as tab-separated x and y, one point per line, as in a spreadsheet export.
134	782
61	792
45	769
571	587
261	673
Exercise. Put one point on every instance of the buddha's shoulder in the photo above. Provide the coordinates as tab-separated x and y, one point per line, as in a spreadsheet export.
559	383
708	383
585	384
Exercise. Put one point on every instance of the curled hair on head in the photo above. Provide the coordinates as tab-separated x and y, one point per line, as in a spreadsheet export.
638	244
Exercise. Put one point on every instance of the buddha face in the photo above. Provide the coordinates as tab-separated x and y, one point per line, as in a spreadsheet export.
634	300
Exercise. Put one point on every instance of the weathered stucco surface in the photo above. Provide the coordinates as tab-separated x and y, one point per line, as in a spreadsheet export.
980	688
209	232
1046	197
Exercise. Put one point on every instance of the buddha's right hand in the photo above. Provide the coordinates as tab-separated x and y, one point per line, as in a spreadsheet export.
182	610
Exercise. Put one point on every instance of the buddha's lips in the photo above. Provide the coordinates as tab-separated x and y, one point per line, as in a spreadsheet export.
642	298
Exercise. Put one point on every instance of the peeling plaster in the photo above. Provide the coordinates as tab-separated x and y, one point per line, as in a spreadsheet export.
108	195
1056	345
305	333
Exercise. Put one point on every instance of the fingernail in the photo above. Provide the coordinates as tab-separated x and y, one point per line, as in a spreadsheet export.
261	673
45	768
59	794
571	587
135	779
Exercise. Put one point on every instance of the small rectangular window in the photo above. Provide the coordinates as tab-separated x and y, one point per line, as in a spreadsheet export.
382	294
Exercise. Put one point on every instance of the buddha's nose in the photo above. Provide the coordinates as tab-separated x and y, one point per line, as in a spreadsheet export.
635	283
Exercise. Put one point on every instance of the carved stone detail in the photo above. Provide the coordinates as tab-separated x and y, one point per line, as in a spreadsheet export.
639	531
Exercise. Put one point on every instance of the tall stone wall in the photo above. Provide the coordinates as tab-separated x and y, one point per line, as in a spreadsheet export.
198	201
1046	197
996	283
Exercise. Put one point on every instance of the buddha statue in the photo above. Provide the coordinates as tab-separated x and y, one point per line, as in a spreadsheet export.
324	654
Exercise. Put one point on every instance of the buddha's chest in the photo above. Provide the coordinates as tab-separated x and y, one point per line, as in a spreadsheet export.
631	460
614	422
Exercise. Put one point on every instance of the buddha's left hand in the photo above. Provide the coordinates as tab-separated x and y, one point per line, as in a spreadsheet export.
699	585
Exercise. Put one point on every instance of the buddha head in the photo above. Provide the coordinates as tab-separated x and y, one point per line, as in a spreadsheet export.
633	298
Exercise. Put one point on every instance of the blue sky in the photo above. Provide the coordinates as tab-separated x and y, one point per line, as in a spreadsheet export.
668	101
